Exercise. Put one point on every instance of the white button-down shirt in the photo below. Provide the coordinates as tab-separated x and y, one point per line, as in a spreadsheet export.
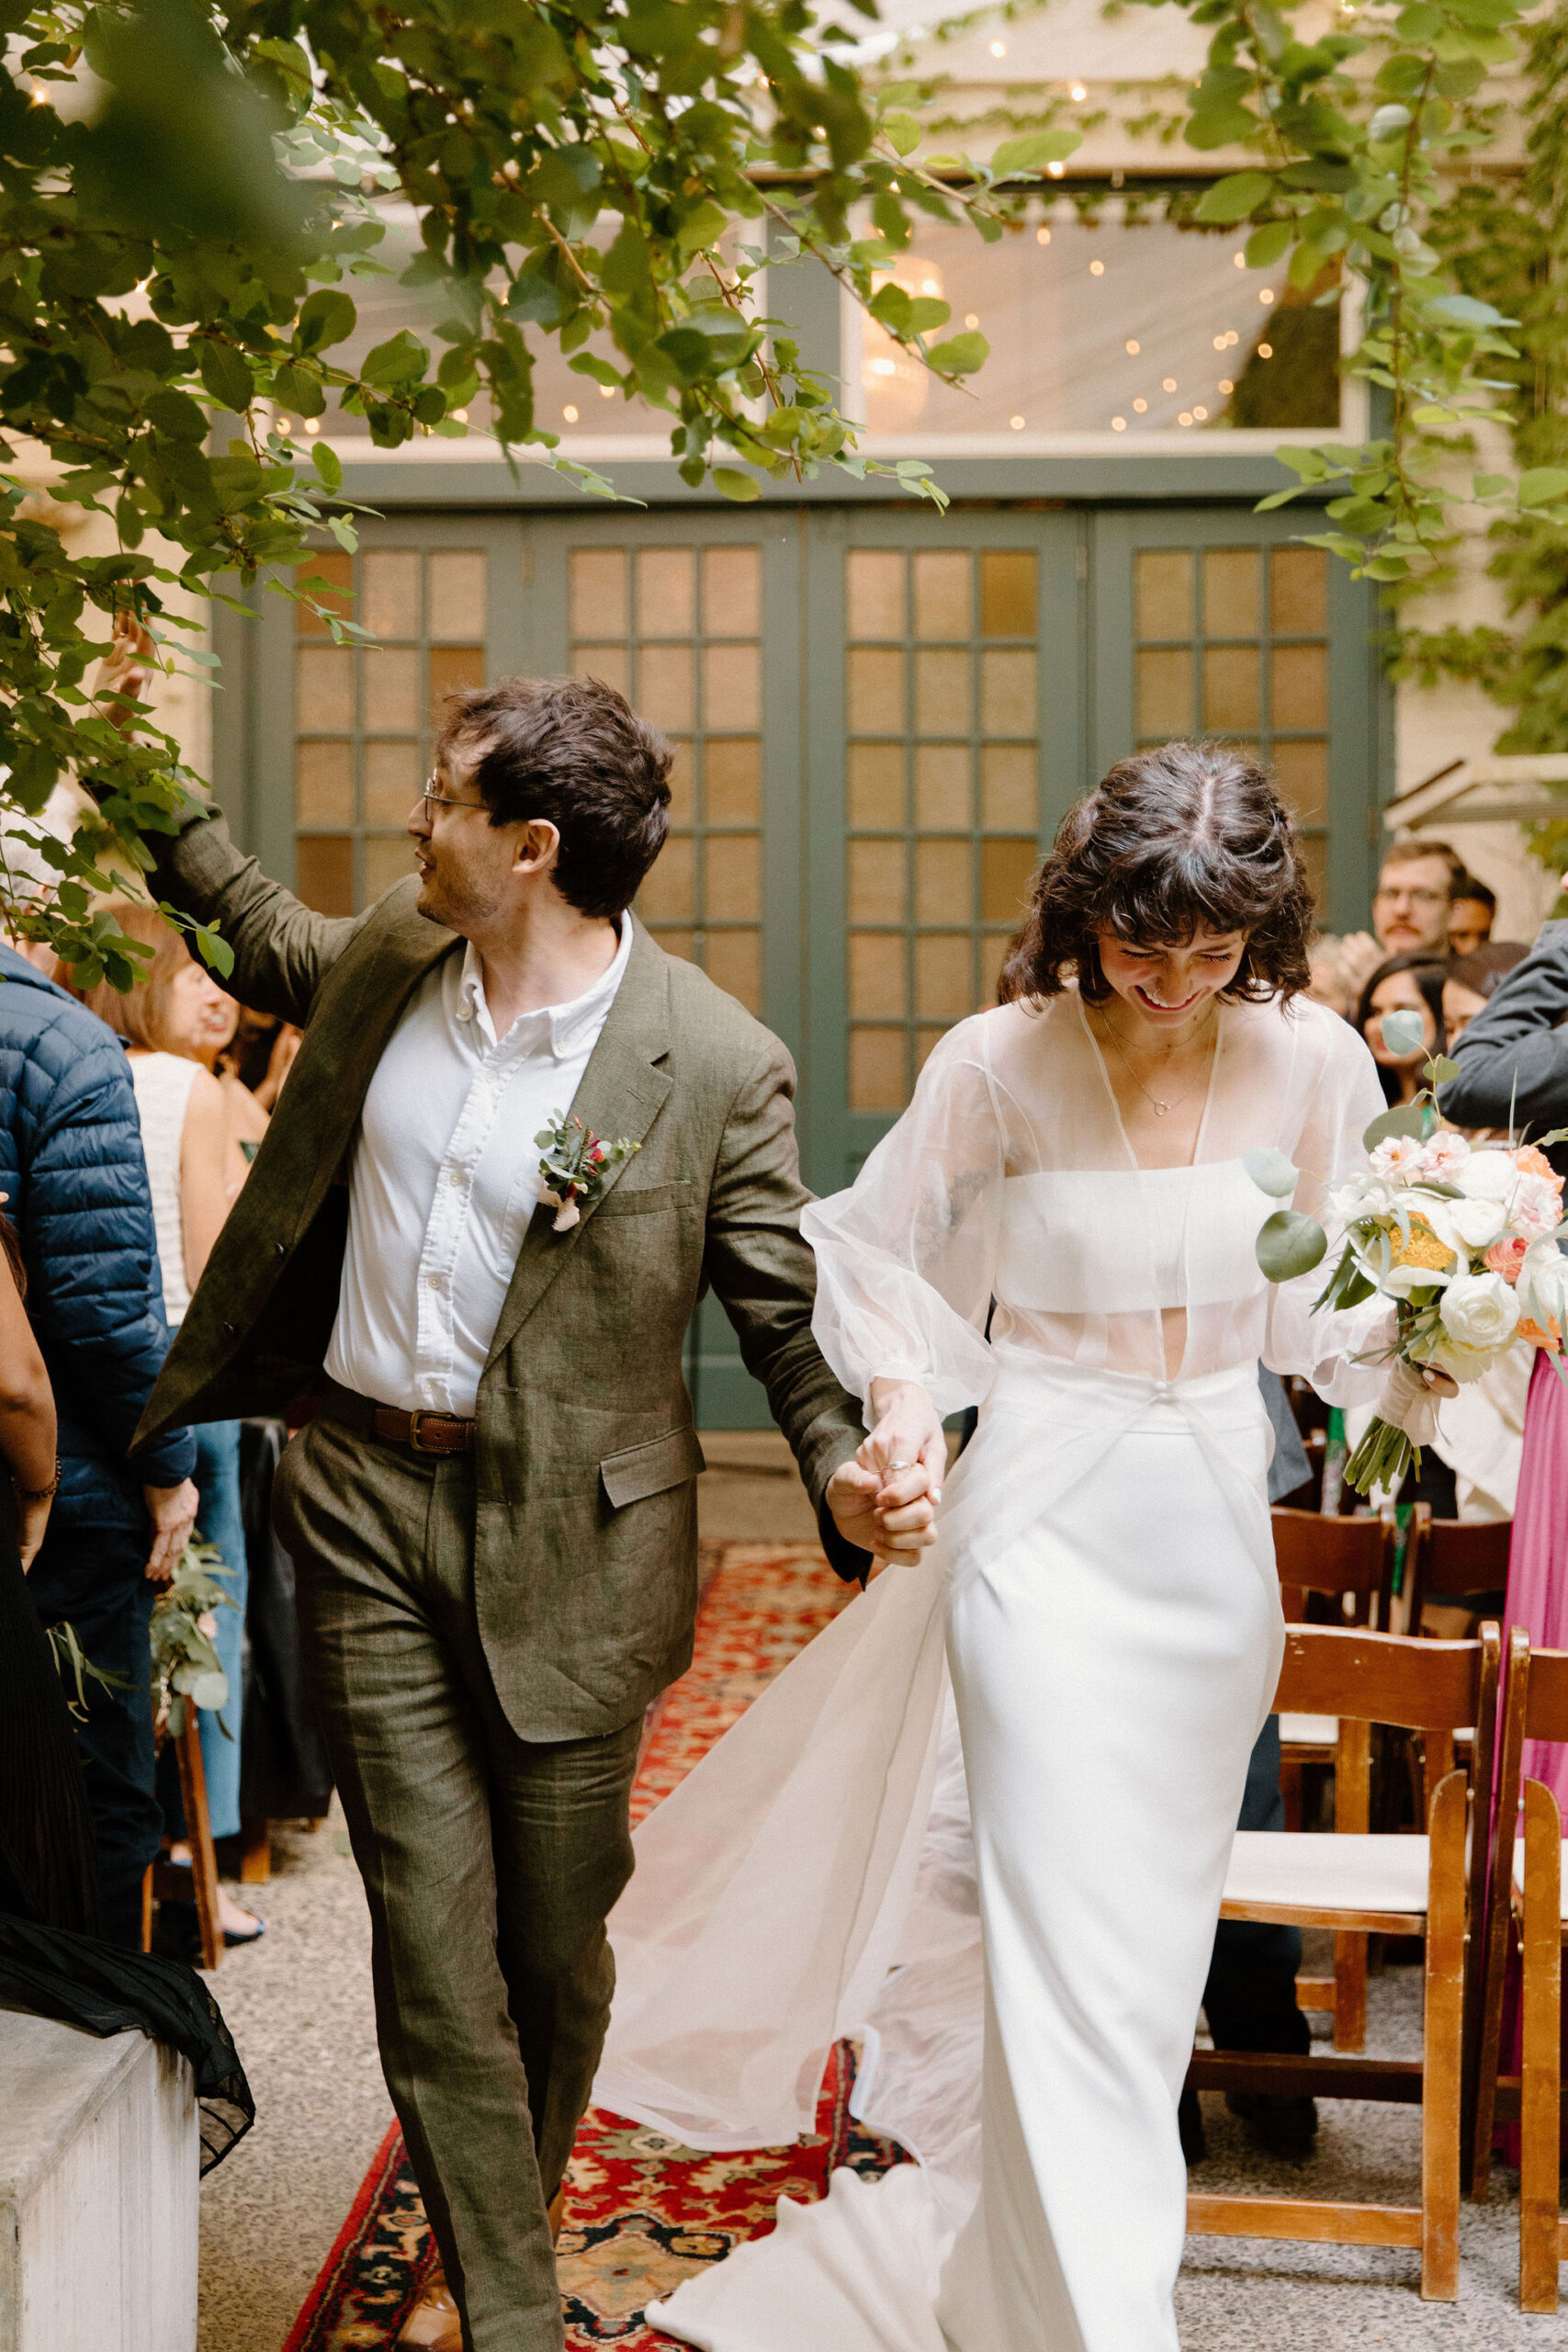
445	1177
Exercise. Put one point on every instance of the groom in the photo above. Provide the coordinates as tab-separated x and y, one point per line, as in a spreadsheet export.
494	1513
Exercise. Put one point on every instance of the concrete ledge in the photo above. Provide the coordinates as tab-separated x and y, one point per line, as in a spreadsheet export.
99	2177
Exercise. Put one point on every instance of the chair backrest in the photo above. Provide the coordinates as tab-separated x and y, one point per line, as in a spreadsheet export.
1435	1687
1450	1558
1546	1696
1317	1553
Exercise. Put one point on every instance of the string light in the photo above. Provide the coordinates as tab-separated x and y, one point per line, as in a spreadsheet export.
1119	424
1016	423
1266	351
998	48
893	188
1222	342
1265	294
461	414
971	318
1186	417
1201	414
1226	386
932	286
1078	94
1169	385
569	414
312	424
606	392
1140	408
1042	236
1133	348
1097	269
884	366
1055	170
1240	260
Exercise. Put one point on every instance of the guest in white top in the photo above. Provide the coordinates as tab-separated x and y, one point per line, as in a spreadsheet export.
195	1169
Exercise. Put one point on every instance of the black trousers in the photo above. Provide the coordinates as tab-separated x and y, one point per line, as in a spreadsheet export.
92	1579
1251	1997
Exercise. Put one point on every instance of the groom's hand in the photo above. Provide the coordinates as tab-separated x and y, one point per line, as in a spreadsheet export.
885	1501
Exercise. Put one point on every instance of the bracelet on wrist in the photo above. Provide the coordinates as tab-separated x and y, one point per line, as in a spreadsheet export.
37	1493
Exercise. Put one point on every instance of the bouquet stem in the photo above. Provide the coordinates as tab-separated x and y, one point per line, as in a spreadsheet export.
1381	1459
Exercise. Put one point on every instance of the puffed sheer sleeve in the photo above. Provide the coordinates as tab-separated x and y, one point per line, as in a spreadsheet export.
1343	1096
906	1257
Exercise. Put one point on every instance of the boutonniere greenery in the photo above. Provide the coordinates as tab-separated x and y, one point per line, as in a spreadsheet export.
576	1166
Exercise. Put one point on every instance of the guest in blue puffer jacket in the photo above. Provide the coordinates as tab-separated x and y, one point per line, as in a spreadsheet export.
71	1160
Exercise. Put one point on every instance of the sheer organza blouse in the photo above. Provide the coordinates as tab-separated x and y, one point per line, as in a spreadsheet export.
1009	1191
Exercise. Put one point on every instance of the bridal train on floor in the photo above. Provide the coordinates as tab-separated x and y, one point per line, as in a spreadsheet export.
1007	1893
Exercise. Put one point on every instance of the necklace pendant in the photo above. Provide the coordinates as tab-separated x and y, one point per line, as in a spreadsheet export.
1160	1110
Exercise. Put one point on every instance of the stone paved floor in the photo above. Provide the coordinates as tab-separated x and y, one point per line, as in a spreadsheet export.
300	2006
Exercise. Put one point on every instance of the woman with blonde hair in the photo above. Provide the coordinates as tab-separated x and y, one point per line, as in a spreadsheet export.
195	1169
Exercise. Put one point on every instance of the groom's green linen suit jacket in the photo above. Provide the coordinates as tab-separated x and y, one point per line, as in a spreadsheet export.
585	1460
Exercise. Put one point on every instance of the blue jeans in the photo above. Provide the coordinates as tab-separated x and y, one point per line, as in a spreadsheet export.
219	1521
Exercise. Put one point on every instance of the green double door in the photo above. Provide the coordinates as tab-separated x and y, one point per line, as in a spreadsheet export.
879	717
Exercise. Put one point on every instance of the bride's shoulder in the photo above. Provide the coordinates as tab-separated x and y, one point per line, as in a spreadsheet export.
1318	1036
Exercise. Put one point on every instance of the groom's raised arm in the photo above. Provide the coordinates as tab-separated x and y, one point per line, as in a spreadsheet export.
766	1277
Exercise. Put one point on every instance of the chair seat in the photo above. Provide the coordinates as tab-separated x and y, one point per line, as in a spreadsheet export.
1309	1731
1519	1874
1281	1868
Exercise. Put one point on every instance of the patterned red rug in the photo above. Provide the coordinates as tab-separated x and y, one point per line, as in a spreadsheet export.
641	2211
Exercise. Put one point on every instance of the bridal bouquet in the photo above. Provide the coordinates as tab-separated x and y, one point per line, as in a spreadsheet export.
1462	1238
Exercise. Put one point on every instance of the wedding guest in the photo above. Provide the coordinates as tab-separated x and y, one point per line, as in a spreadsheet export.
1412	906
194	1163
1329	984
71	1157
1412	983
1472	913
1471	979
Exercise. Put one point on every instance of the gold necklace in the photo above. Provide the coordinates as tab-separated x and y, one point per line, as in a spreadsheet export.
1161	1110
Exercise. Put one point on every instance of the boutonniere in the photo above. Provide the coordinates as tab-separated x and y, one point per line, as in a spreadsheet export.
576	1165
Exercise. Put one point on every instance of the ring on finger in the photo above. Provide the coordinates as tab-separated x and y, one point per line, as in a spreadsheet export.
900	1465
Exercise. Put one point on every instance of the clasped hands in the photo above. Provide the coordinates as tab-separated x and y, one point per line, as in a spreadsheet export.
885	1499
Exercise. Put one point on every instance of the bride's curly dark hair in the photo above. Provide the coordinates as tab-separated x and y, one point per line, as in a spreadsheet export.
1180	838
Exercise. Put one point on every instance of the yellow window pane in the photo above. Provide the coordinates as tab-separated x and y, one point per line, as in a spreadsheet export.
943	802
324	690
943	890
877	787
1008	591
1164	691
668	892
734	878
944	691
333	575
1301	777
388	858
1007	694
877	975
666	591
1007	869
993	955
732	592
875	691
925	1042
390	697
1298	591
324	872
878	1069
1231	686
875	881
1009	789
944	981
1300	682
666	686
732	772
874	592
324	783
394	778
388	591
452	667
944	593
1312	850
609	663
675	942
732	685
1233	585
734	960
1162	592
459	581
598	591
683	786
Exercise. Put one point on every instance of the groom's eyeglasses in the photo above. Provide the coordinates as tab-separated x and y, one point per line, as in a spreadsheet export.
430	800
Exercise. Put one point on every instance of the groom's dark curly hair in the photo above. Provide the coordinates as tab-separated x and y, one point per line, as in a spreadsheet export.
1183	837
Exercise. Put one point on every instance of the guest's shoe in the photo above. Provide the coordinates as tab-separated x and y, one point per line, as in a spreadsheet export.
1284	2122
433	2326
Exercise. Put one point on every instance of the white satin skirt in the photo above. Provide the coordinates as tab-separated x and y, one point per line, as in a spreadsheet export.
1027	1991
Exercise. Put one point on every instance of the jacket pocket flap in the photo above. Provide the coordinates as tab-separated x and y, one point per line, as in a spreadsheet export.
642	1200
649	1469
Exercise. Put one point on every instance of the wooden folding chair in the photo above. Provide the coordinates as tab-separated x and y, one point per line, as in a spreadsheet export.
1398	1885
1461	1564
1344	1559
1529	1884
173	1885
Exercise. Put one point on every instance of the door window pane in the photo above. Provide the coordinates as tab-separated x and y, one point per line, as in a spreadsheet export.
944	592
1008	588
324	872
324	783
459	593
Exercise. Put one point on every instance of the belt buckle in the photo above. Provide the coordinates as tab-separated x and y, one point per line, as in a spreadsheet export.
415	1440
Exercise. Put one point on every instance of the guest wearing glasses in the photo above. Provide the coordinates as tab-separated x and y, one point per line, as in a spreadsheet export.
1412	909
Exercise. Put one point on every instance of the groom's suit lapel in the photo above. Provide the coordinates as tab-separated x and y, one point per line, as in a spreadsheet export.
623	1090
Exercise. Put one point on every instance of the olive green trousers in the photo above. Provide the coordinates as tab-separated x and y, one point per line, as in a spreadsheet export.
489	1863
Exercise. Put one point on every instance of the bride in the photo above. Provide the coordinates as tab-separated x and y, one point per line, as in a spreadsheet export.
1060	1230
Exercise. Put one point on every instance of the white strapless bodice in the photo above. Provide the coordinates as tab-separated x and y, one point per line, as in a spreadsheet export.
1115	1241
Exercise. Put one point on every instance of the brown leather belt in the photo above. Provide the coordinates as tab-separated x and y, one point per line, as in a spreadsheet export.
425	1433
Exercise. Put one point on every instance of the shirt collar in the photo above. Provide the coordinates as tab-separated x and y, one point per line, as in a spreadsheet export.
566	1025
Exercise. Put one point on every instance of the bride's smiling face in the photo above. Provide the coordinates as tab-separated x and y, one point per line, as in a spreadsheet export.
1168	986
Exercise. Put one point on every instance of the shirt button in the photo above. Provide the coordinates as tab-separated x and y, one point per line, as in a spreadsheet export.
465	1012
456	1177
434	1281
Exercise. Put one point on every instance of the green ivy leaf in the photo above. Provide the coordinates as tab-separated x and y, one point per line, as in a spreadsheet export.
903	132
326	317
1266	244
1235	197
960	354
1017	158
225	375
742	487
1543	485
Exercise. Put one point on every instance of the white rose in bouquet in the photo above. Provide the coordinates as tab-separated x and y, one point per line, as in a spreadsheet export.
1541	1289
1487	1176
1479	1311
1467	1224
